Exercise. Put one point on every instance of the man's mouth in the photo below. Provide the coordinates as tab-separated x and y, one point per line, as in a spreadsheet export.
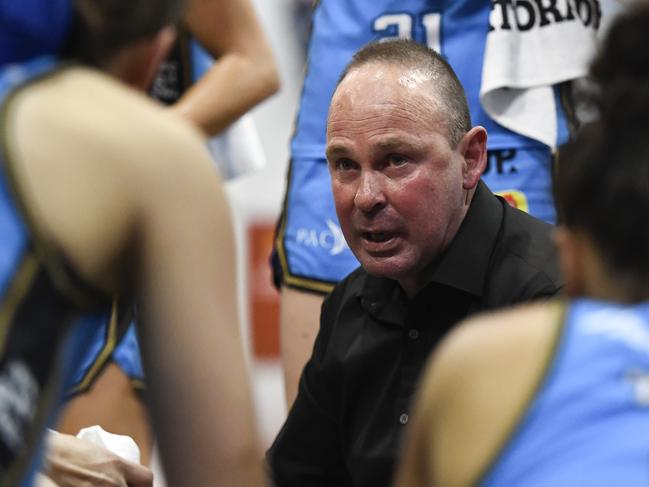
377	237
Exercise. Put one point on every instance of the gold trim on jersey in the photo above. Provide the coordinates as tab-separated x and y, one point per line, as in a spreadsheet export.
304	283
107	350
138	384
18	289
295	281
52	259
519	416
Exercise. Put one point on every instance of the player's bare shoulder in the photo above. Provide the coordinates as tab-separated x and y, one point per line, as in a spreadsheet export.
104	117
94	158
495	338
479	381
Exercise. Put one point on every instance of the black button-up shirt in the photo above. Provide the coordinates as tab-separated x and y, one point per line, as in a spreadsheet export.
354	396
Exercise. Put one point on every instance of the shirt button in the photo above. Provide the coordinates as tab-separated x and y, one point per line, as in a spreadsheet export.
403	419
413	333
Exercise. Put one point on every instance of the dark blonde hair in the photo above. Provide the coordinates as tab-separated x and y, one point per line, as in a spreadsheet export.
602	181
103	27
413	55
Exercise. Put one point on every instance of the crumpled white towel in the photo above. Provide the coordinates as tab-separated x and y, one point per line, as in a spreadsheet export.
121	445
238	150
523	62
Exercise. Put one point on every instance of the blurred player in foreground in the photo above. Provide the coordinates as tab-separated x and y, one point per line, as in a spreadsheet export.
109	384
103	193
557	393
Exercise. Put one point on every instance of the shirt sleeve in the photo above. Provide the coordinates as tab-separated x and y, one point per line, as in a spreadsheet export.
307	450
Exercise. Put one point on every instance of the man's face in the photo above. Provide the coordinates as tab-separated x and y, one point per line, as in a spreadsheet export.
397	183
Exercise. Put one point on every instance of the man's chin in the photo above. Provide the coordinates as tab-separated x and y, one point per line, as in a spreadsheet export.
388	267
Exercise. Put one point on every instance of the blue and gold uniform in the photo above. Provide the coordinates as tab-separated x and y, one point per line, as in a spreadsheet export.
310	246
47	314
588	423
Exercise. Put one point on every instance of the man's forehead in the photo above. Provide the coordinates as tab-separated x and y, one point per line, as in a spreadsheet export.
381	90
384	72
376	83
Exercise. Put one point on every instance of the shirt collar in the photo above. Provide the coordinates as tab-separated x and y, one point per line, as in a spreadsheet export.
465	263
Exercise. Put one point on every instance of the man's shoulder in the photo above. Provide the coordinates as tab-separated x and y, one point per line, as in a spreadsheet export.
525	259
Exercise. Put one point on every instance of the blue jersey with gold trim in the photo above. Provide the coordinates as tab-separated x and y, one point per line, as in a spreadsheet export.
589	422
47	315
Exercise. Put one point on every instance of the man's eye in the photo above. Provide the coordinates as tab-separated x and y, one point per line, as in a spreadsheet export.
397	160
345	165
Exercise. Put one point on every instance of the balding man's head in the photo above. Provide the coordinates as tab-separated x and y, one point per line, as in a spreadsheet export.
420	65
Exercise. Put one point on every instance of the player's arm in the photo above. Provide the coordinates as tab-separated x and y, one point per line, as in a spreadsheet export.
299	324
191	342
245	71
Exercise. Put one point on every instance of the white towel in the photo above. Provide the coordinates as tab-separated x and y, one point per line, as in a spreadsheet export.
238	150
528	51
121	445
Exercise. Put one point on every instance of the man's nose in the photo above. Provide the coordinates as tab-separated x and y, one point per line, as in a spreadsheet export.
369	194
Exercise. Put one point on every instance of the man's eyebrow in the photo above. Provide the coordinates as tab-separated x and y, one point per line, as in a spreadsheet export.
336	150
399	143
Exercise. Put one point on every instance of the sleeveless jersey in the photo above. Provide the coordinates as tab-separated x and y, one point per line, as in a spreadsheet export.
186	63
589	422
42	328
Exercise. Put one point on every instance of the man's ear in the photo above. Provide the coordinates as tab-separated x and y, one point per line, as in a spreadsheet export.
473	148
143	59
571	260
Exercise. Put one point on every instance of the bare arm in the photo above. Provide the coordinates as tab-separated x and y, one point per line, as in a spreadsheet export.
245	72
191	344
299	324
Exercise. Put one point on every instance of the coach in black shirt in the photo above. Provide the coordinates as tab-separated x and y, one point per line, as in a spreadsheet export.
435	245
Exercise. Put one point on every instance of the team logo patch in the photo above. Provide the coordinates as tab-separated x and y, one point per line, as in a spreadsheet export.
515	198
330	239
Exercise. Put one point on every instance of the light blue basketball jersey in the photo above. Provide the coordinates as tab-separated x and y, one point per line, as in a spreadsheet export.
589	422
44	325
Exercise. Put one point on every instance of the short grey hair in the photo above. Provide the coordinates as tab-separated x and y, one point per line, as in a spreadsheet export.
412	55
